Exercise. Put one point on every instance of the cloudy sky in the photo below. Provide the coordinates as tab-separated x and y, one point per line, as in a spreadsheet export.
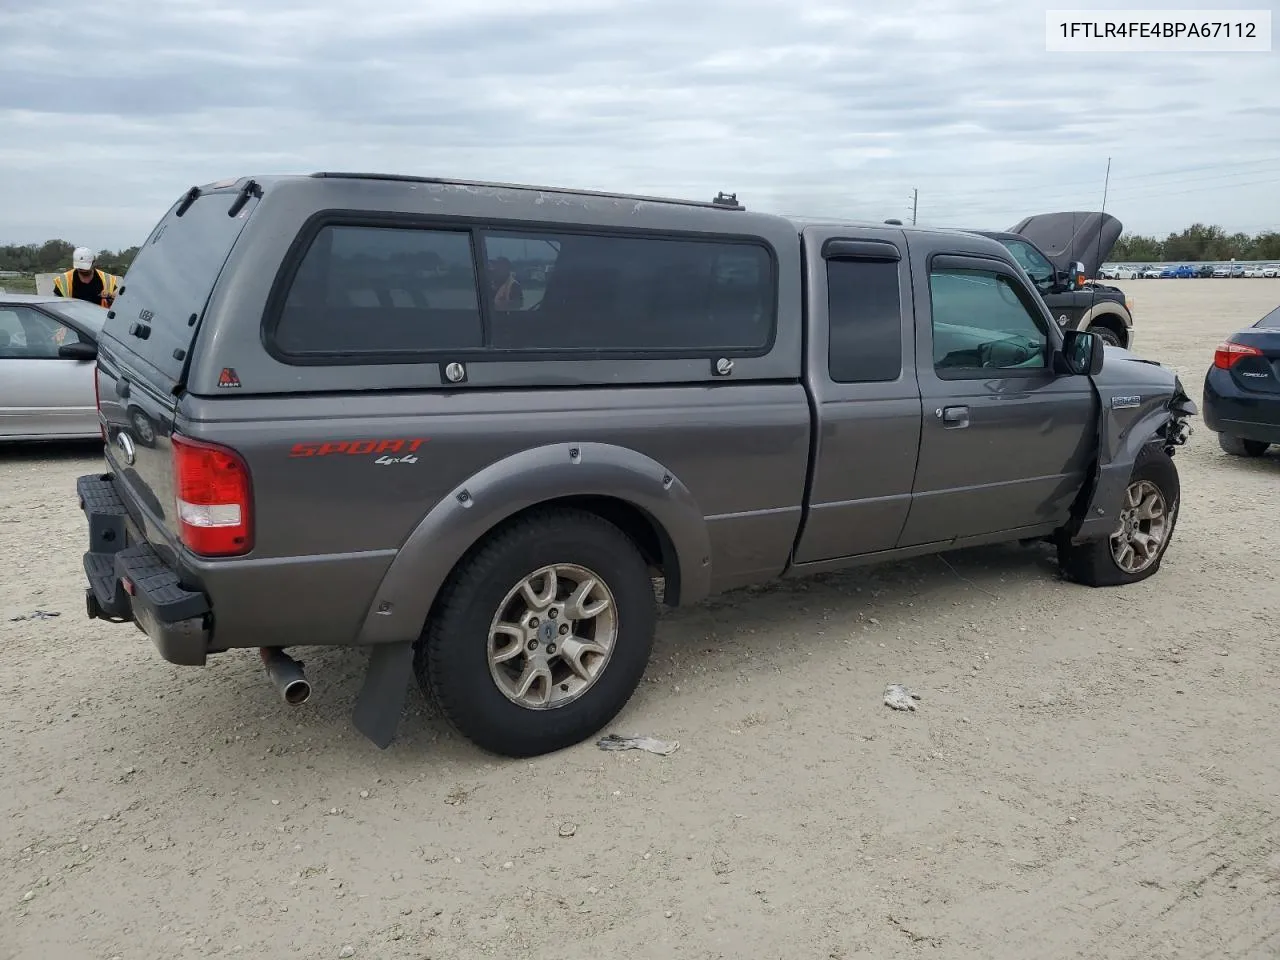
109	111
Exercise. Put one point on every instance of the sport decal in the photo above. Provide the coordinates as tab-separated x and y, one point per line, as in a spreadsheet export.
405	447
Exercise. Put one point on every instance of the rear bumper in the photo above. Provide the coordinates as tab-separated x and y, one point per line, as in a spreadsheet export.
129	582
1230	410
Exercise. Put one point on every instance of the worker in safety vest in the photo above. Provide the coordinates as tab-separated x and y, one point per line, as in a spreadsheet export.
83	282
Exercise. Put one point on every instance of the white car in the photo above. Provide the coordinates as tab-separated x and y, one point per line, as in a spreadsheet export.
47	350
1221	271
1254	272
1271	270
1115	272
1150	273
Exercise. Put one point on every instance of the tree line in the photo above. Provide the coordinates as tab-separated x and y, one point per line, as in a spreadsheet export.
1198	242
54	256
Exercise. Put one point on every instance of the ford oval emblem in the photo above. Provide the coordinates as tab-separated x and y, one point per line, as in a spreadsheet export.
125	443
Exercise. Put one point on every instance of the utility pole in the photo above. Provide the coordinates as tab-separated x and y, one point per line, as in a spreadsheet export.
915	199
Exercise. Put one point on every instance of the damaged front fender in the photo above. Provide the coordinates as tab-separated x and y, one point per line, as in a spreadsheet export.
1140	403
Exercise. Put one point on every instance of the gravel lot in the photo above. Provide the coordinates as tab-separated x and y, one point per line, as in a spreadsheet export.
1091	773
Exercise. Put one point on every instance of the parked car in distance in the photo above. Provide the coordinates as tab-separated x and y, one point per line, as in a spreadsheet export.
1059	251
1222	270
699	393
1271	270
1254	271
1237	270
1150	272
1204	270
47	349
1242	389
1118	272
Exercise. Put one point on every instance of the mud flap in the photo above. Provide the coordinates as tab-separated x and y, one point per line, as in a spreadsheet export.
386	687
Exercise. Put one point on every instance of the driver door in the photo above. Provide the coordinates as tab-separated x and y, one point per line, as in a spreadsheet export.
1006	441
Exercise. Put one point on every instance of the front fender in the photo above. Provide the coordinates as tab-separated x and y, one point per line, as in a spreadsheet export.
1129	419
504	488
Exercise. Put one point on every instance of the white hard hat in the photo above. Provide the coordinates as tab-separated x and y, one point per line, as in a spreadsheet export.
82	259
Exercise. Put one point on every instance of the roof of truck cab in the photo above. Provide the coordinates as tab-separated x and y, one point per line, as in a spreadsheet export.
974	240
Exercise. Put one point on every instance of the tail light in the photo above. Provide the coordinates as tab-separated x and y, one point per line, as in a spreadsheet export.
1230	353
214	498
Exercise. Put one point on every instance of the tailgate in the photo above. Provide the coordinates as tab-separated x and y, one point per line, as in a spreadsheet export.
147	341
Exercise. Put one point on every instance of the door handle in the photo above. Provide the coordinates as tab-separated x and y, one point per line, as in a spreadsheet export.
953	418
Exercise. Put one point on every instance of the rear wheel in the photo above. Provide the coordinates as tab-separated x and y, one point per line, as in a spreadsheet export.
541	635
1239	447
1136	548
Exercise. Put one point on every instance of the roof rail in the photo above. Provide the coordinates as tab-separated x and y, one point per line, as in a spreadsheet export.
722	201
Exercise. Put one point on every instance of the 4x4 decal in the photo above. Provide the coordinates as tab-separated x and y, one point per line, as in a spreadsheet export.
362	448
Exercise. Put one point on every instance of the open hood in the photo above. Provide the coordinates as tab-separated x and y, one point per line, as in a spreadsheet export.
1064	237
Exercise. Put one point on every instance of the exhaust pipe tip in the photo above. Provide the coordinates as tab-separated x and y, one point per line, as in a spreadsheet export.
297	692
286	675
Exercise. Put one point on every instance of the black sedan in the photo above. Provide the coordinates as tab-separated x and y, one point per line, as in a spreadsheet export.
1242	389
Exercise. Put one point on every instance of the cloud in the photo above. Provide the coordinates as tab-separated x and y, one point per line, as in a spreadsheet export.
800	106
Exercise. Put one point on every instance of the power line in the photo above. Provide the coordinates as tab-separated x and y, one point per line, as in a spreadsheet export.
1170	172
972	199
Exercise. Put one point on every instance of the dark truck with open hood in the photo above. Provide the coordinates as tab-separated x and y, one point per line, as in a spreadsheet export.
1063	254
465	426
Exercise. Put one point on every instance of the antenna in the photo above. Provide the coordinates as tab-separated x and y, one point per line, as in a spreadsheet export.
1102	217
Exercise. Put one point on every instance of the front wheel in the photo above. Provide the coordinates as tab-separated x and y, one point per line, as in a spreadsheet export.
541	635
1108	335
1136	548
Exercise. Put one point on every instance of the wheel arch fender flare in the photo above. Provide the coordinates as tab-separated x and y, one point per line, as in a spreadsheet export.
1107	308
515	483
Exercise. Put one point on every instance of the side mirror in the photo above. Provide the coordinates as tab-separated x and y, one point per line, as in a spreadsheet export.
83	352
1077	279
1082	352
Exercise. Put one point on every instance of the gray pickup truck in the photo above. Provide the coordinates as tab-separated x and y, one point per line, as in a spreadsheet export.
467	426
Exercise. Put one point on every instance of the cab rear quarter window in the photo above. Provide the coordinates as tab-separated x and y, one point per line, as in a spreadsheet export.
361	293
865	315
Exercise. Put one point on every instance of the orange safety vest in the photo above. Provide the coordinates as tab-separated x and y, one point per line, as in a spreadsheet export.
64	284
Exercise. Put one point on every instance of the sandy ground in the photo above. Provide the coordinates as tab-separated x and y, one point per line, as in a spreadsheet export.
1090	773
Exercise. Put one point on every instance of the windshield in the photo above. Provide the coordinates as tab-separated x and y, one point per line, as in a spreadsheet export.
1039	269
87	314
1271	321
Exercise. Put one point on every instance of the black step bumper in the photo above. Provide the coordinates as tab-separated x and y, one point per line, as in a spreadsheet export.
129	582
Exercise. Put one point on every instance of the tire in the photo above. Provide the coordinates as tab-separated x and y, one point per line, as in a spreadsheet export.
1107	334
453	660
142	428
1239	447
1096	563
